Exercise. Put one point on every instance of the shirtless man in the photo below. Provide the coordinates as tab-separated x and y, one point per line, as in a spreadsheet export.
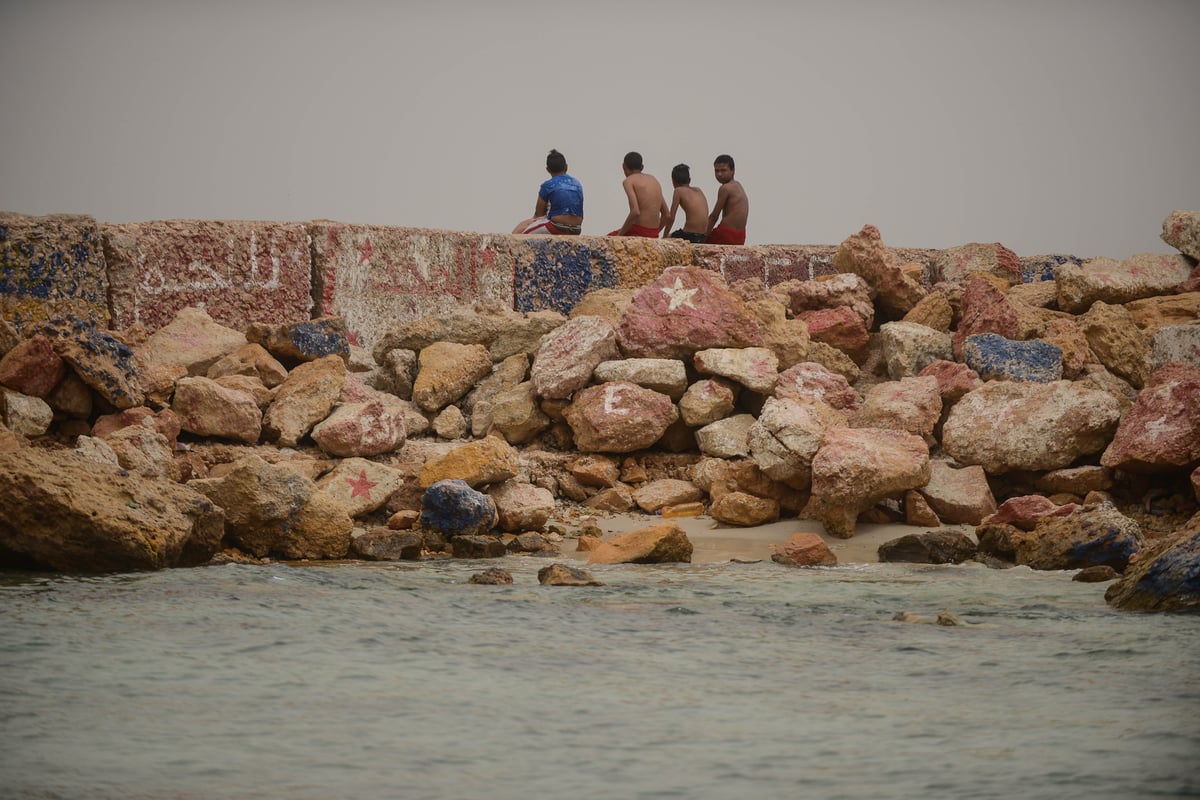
647	206
732	208
559	207
695	207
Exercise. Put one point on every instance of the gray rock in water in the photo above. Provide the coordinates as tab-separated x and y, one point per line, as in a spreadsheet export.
943	546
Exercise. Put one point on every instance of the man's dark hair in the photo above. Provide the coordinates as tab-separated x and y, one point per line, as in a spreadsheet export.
556	162
633	160
724	159
681	175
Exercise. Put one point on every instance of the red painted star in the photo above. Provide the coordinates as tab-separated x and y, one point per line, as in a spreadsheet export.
354	338
361	487
365	250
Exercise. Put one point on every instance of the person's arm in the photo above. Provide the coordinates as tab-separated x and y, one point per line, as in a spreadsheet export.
722	197
669	218
634	209
663	222
543	205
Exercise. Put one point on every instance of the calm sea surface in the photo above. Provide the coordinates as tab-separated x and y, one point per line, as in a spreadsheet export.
686	681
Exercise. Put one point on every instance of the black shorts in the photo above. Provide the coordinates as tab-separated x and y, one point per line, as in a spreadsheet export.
694	238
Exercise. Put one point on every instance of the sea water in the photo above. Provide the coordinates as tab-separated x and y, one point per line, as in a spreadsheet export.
733	680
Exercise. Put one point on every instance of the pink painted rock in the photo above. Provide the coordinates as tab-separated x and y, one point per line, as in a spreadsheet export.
193	340
618	417
838	327
361	429
958	495
954	264
1181	230
813	381
985	309
206	408
864	254
1162	430
165	422
32	367
843	289
756	368
855	468
706	401
954	379
361	485
744	510
1117	282
909	404
1005	426
522	506
1024	512
1118	343
446	371
656	544
304	399
786	436
686	309
804	550
569	354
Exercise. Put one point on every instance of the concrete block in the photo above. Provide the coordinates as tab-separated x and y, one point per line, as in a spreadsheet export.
240	272
51	266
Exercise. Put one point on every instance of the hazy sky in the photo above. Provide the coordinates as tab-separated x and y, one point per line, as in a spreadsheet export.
1048	125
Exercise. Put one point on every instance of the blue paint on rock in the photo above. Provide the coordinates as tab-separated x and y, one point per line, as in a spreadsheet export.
320	338
1041	268
561	273
455	509
995	357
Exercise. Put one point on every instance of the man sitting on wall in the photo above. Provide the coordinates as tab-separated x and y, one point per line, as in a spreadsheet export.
559	209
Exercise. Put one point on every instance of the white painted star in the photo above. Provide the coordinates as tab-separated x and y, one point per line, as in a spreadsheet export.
679	296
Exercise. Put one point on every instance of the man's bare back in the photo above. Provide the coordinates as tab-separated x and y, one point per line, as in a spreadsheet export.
646	202
695	209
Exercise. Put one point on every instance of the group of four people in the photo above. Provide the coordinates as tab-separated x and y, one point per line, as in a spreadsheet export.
559	208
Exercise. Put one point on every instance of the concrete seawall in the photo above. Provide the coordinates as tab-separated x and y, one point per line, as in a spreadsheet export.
374	276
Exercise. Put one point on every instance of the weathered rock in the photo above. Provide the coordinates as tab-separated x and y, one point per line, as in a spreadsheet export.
909	347
594	470
32	367
831	291
959	495
755	368
1162	431
304	399
786	436
477	545
192	340
165	422
1075	480
786	338
309	340
985	309
488	460
492	576
1117	342
450	423
855	468
361	429
455	509
97	450
273	510
1116	282
361	485
206	408
616	499
252	360
910	404
955	264
804	550
1097	574
663	375
60	510
569	354
516	415
105	363
447	371
522	506
1005	426
655	544
1181	230
864	254
529	542
1180	343
71	397
833	360
933	311
1068	337
744	510
566	575
655	495
385	544
1165	577
25	415
943	546
954	380
618	417
994	357
706	401
839	328
1025	511
144	451
813	381
726	438
918	512
1152	313
1097	376
686	309
399	371
1086	537
248	385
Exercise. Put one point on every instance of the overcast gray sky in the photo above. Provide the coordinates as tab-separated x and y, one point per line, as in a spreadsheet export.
1048	125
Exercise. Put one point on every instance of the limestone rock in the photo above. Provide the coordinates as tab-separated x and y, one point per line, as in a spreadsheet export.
994	357
361	429
206	408
62	511
655	544
1116	282
488	460
105	363
954	380
1162	431
618	417
569	354
1087	537
1180	343
455	509
1165	577
744	510
655	495
958	495
985	309
955	264
385	544
839	328
522	506
864	254
32	367
304	399
1117	342
663	375
25	415
910	404
943	546
809	380
726	438
1181	230
447	371
309	340
804	550
706	401
933	311
786	436
193	340
909	347
1025	511
252	360
566	575
144	451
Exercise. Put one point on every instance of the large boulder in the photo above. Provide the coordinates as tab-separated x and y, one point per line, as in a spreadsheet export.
1005	426
206	408
786	436
192	340
855	468
446	371
865	255
756	368
619	417
958	495
955	264
362	429
1162	430
361	485
811	380
104	362
909	347
1116	282
655	544
909	404
454	509
1089	536
488	460
1117	342
304	399
993	357
60	510
569	354
1165	577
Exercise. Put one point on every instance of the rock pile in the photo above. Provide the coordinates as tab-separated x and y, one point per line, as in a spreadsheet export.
923	393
